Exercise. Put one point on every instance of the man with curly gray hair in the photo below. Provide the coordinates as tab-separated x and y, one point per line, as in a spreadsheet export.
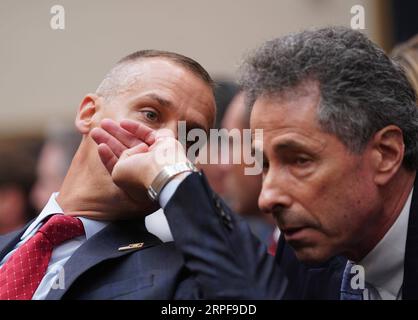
341	153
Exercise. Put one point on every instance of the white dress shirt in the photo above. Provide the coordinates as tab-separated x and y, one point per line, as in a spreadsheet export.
384	265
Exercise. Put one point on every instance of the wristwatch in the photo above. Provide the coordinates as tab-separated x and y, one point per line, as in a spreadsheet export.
166	175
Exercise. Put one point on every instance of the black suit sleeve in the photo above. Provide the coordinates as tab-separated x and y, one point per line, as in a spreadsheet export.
227	261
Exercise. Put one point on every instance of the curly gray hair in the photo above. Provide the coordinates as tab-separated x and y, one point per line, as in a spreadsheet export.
362	90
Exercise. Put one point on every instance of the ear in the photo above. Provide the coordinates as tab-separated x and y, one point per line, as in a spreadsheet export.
88	108
388	152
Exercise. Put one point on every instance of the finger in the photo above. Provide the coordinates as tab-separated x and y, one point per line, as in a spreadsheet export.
140	148
124	136
139	130
108	158
101	136
164	133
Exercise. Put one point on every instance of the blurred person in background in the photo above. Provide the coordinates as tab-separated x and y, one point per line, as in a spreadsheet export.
241	191
224	92
55	158
406	54
16	179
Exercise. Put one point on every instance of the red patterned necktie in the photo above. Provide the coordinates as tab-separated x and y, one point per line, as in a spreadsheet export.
21	275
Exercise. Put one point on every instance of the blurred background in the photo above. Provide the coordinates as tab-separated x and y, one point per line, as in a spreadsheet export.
44	73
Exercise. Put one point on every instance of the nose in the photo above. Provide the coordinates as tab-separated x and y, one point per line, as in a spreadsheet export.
274	193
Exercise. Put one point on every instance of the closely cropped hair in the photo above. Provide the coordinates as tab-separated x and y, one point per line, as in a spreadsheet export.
362	90
118	78
184	61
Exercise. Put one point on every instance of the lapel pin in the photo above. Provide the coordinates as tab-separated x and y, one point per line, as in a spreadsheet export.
132	246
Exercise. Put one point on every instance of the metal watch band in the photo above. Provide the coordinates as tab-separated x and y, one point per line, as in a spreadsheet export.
166	175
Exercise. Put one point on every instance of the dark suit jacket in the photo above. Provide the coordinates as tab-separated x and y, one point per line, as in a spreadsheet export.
98	270
227	261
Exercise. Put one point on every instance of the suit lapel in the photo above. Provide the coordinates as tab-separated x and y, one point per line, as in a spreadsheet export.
103	246
9	241
410	282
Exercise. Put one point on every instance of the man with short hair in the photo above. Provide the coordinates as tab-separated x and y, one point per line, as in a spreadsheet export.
340	144
90	241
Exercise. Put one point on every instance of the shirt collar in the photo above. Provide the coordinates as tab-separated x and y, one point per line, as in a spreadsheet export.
91	227
384	265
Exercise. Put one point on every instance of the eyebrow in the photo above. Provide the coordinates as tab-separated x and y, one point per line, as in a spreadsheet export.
285	145
160	100
290	144
294	146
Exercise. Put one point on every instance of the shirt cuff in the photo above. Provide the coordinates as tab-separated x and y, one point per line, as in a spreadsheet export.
170	188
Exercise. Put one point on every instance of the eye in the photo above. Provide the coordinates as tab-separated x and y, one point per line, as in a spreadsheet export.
302	161
150	115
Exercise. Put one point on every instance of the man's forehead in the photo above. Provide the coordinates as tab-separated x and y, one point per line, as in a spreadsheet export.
289	121
276	110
